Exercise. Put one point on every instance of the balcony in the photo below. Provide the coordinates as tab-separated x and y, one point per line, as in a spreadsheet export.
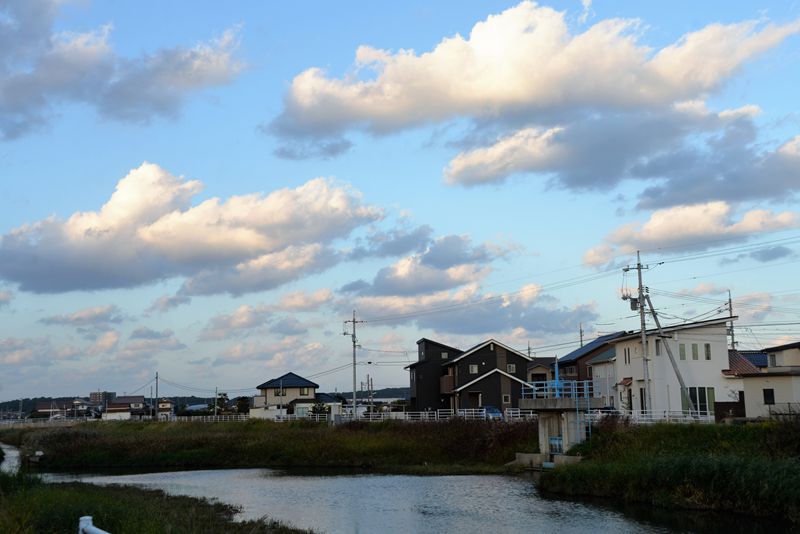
446	384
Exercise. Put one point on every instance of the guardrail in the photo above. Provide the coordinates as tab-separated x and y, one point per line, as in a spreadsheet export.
85	526
516	414
646	417
558	389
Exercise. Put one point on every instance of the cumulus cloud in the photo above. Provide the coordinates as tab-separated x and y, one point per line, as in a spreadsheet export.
98	315
5	298
289	326
704	288
34	352
690	227
243	319
149	344
288	353
467	310
301	301
447	262
149	231
523	59
104	344
583	109
167	302
41	69
763	255
395	242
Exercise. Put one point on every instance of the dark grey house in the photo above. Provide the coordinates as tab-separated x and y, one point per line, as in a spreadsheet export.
489	373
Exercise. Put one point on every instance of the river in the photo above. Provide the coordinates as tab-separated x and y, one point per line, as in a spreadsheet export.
398	503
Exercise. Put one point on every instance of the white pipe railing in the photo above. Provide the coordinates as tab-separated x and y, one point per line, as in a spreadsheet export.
85	526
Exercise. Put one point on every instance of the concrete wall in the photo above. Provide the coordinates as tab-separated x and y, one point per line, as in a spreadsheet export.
786	389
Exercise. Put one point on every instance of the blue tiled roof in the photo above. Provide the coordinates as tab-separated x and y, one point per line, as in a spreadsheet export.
604	356
289	380
589	347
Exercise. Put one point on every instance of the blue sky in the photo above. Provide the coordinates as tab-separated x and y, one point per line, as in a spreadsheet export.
209	190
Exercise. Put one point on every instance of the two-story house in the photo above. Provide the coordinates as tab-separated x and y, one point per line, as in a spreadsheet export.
126	407
700	350
488	374
289	394
575	365
774	390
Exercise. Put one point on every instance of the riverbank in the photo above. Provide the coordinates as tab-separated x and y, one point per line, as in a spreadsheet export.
453	447
29	505
750	469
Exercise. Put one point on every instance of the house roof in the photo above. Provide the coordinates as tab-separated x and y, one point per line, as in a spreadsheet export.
795	345
589	347
739	365
606	356
326	398
673	328
481	345
426	340
625	381
540	362
130	399
289	380
495	370
756	357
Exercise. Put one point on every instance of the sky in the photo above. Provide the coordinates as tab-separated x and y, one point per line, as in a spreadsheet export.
209	190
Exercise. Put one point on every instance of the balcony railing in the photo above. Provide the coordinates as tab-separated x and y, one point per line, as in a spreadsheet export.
558	389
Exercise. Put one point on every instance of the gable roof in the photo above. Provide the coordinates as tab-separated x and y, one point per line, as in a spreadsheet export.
589	347
495	370
541	362
289	380
738	364
426	340
487	342
130	399
675	327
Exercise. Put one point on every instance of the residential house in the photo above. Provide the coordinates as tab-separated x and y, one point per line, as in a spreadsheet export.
604	378
286	395
126	407
575	365
774	390
488	374
540	369
426	375
166	408
700	350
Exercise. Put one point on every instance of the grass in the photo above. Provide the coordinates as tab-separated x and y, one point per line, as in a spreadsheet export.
28	505
421	448
752	469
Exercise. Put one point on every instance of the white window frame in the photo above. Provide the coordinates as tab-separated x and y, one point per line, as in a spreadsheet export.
511	368
506	399
473	368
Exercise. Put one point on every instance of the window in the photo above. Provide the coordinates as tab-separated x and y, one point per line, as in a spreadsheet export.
772	362
707	348
303	391
473	369
702	399
658	347
682	350
506	399
769	396
626	352
511	368
444	355
695	351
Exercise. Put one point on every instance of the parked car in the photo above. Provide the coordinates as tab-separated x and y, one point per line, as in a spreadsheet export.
492	412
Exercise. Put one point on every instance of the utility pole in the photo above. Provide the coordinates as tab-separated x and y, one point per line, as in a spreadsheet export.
580	331
156	395
215	401
529	349
730	313
640	301
354	322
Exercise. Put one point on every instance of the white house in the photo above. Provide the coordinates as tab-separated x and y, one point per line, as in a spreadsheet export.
700	350
774	390
604	377
289	394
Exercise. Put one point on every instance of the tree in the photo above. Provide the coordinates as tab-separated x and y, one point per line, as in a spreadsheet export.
242	404
222	402
320	409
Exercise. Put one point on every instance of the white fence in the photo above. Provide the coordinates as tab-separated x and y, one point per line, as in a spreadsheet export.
648	417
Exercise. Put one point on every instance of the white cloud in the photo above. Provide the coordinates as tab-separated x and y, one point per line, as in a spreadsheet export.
33	352
98	315
301	301
105	343
5	298
167	302
290	353
705	288
149	231
691	227
523	59
243	319
40	69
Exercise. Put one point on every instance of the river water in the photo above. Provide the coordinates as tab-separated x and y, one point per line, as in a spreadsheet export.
399	503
